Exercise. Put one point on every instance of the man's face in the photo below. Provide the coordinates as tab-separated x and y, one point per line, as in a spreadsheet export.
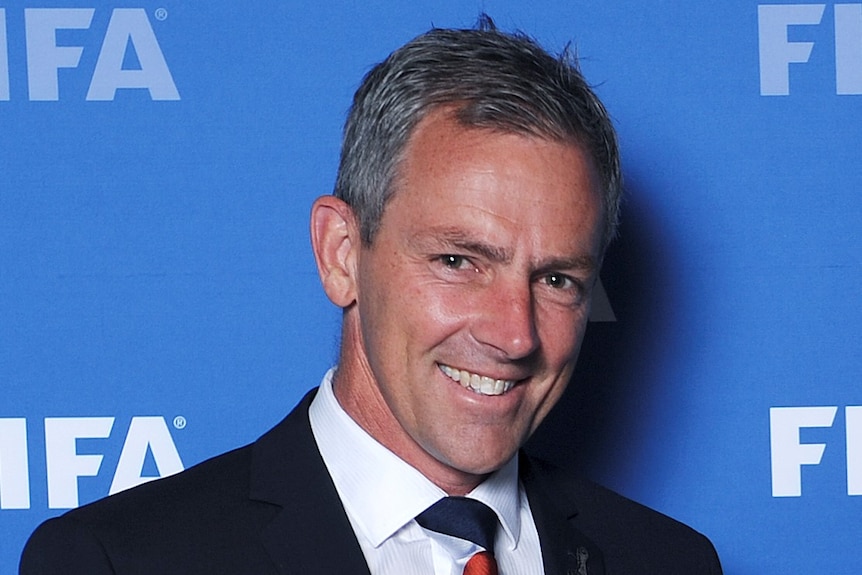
473	298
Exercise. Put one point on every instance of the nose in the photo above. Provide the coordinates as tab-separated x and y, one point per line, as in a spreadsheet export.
507	319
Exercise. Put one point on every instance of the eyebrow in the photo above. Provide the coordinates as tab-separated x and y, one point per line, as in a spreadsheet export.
584	263
450	238
459	241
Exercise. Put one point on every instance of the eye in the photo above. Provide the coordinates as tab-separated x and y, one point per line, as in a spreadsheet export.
562	288
559	281
455	262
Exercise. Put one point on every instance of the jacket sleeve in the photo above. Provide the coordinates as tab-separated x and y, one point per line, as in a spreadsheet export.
63	546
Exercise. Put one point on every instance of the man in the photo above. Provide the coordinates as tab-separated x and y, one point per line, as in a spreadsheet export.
478	189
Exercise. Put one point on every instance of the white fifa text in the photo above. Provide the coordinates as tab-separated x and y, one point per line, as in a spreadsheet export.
778	52
64	465
789	454
128	28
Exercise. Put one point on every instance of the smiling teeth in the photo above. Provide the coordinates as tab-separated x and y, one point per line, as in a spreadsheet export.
478	383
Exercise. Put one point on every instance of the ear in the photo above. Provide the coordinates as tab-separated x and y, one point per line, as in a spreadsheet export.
335	241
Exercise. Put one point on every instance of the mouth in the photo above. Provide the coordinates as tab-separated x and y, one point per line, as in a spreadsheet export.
477	383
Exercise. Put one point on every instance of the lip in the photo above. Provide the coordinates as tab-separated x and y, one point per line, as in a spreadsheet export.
477	383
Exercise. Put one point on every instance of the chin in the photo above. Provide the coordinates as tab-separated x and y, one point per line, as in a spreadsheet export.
481	464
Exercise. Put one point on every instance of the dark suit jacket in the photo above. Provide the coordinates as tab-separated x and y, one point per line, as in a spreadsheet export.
271	508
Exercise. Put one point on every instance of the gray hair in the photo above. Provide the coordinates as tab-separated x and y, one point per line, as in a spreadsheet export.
493	80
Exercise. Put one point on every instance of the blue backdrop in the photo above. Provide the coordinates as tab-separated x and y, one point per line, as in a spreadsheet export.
159	303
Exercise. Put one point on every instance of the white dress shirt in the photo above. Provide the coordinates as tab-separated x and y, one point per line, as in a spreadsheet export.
382	495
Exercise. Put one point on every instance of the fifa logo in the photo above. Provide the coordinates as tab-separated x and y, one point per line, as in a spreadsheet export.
778	52
128	30
789	453
64	465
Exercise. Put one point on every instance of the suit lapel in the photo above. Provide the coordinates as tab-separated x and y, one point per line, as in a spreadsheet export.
311	534
565	550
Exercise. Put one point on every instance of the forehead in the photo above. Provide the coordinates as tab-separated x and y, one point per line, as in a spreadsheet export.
495	181
441	148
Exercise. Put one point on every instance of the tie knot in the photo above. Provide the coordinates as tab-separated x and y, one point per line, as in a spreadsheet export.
464	518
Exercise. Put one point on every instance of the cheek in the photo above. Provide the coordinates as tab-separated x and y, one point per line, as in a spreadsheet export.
434	309
401	324
561	331
560	358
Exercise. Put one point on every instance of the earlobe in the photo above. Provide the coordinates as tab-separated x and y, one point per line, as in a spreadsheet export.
335	240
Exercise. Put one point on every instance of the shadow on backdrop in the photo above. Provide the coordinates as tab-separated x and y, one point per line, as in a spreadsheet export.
595	427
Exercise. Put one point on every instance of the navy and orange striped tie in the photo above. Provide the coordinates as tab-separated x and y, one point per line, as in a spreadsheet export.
482	563
468	519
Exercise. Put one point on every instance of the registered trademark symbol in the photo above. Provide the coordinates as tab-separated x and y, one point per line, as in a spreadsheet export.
180	422
161	14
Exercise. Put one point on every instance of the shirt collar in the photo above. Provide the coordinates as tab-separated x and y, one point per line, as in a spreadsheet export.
380	491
